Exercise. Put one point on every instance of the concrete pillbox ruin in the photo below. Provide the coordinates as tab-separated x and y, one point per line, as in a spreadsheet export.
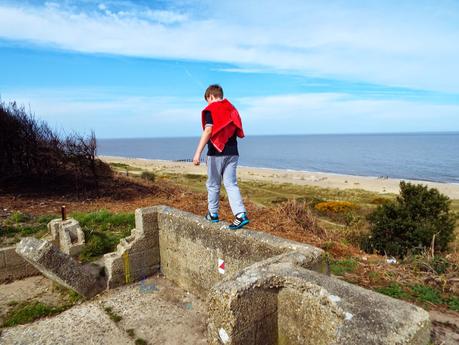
260	289
67	235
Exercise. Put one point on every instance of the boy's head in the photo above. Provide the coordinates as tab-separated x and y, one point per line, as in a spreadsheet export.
213	93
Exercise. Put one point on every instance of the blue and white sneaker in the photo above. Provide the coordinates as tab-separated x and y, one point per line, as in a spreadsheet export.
212	217
239	222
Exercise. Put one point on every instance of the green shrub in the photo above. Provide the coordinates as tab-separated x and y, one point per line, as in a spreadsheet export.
148	175
409	223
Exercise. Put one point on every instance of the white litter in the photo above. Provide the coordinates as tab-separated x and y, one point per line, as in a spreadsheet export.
391	260
348	316
334	298
223	335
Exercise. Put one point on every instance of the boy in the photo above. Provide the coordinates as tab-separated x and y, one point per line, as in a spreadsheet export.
221	125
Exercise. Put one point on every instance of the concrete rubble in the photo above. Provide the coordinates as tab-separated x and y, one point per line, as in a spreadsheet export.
259	289
87	280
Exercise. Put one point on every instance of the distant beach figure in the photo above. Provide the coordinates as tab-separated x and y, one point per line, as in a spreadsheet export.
221	126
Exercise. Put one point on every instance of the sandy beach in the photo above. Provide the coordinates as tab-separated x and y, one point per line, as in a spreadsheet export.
319	179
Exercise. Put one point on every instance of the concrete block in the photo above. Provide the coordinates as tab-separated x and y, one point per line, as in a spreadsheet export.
86	280
12	259
2	258
146	220
13	266
53	228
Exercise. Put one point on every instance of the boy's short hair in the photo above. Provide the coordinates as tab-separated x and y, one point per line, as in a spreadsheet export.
213	90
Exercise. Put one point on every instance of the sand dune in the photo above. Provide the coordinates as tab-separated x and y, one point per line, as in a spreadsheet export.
324	180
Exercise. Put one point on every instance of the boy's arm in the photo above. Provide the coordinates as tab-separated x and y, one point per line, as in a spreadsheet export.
202	143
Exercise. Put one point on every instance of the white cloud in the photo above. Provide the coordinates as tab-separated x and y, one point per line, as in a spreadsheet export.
411	44
339	113
117	115
112	114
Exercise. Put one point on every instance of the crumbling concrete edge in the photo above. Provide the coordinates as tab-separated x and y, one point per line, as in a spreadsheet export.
346	310
13	266
138	255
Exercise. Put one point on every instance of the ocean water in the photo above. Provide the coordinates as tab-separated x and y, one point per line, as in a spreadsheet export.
420	156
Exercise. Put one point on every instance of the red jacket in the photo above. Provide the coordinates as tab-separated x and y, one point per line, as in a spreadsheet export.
226	121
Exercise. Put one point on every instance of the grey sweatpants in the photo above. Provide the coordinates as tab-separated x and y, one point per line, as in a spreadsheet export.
223	168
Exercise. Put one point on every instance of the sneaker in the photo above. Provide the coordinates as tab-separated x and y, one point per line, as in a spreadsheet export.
212	217
238	222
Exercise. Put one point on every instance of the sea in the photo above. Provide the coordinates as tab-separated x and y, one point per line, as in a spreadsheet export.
417	156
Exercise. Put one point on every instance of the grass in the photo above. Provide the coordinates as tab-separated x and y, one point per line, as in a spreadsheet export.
30	311
124	167
423	294
19	225
103	231
394	290
341	267
71	296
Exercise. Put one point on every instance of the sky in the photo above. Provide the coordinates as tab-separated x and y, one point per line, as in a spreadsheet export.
126	68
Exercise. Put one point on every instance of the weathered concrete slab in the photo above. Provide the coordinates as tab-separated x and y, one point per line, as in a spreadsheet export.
83	324
306	307
87	280
159	312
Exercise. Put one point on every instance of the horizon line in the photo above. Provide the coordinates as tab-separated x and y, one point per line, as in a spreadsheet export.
294	134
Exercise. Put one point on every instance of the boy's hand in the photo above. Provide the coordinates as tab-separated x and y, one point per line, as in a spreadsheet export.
196	159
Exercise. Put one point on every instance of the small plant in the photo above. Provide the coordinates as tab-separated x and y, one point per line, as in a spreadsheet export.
418	219
140	341
148	175
453	303
131	332
18	217
113	316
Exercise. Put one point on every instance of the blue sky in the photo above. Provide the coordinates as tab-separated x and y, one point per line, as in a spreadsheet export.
139	68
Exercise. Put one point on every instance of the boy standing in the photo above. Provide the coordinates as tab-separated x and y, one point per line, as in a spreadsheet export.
221	125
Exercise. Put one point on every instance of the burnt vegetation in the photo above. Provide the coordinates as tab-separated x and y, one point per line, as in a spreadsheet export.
33	157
